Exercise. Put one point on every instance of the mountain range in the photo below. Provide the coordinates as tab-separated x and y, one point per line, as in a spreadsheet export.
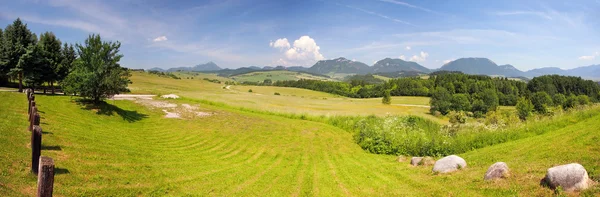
477	66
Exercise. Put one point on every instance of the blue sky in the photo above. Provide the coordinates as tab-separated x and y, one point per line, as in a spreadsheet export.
236	33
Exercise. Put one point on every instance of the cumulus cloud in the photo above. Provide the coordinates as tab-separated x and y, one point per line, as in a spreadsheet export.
304	51
421	57
160	39
407	48
589	57
281	43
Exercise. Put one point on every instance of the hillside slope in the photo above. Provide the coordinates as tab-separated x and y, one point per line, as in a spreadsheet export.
134	151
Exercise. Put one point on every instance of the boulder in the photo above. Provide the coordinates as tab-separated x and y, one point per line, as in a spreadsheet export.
449	164
421	161
497	171
401	159
571	177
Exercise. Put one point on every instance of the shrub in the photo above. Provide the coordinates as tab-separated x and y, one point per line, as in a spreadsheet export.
559	99
250	90
387	98
524	108
276	93
440	101
541	101
457	117
583	100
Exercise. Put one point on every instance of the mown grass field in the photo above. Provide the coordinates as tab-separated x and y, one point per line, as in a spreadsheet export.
126	149
291	100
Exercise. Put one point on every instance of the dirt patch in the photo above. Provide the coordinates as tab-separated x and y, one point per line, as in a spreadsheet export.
172	110
170	96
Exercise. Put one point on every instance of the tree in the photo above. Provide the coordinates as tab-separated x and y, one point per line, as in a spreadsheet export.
571	102
440	101
583	100
559	99
460	102
96	73
387	98
267	82
32	64
524	108
490	98
541	101
16	40
52	57
68	57
478	108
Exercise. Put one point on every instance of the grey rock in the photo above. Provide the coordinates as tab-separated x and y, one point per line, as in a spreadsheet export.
497	171
449	164
421	161
571	177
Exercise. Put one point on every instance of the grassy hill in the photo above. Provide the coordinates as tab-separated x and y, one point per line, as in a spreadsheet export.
126	149
276	75
291	100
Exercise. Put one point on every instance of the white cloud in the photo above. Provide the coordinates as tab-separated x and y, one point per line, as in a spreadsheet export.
411	6
448	61
420	57
532	13
407	48
281	43
589	57
160	39
304	51
402	57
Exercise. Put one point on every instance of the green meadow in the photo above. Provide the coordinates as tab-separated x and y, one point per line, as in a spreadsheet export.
252	148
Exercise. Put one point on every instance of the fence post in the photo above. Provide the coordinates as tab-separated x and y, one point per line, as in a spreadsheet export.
32	118
45	182
36	148
32	104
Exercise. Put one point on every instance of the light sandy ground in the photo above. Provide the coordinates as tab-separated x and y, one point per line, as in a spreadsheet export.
227	87
171	110
409	105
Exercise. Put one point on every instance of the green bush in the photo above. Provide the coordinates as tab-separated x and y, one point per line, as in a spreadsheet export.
276	93
541	101
524	108
250	90
387	98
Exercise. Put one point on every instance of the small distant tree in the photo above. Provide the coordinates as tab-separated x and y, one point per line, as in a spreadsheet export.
541	101
559	99
97	73
478	108
267	82
250	90
524	108
440	101
387	98
570	102
457	118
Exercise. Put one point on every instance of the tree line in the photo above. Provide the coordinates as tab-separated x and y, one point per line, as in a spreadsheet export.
91	70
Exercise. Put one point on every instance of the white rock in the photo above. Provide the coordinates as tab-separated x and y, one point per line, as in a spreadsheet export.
449	164
170	96
571	177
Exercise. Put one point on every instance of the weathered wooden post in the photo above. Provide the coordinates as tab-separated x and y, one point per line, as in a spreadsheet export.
31	108
45	182
36	148
34	111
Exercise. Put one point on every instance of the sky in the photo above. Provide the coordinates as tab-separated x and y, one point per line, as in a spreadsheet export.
237	33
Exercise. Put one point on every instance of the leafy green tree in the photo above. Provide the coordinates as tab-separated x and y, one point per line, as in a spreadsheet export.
387	98
97	73
478	107
490	99
267	82
460	102
52	55
541	101
16	40
440	101
524	108
559	99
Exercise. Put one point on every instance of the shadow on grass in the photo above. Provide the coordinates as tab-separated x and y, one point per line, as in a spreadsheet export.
51	147
103	108
61	171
